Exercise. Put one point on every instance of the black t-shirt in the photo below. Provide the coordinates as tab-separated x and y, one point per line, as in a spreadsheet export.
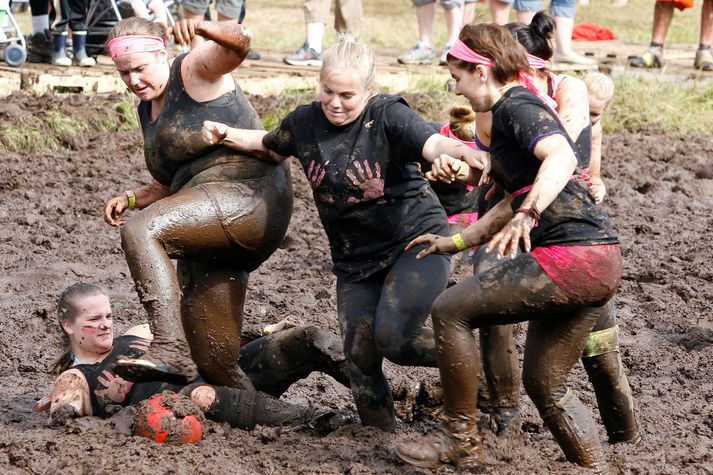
368	187
520	121
107	391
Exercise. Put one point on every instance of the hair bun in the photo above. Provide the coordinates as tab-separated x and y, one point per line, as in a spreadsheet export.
542	25
463	122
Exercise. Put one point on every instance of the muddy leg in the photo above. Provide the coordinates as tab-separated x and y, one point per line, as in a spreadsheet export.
212	303
553	347
602	361
246	409
276	361
501	367
408	292
356	307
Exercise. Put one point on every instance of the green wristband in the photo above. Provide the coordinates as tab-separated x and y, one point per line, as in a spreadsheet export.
132	199
459	242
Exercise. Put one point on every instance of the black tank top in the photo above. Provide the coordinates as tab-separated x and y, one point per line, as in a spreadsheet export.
109	392
174	151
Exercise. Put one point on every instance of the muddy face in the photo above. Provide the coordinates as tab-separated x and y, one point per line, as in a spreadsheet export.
343	96
93	329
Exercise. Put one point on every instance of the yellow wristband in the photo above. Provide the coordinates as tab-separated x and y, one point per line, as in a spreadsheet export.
459	242
132	199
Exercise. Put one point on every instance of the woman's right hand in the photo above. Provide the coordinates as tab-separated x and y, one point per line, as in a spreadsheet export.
214	133
185	30
114	210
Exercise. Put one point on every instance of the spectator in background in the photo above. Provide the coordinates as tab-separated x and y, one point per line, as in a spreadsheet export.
563	12
72	13
228	10
663	14
348	18
39	43
423	52
153	10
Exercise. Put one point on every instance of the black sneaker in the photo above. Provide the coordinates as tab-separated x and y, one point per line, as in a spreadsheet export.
305	56
253	55
39	47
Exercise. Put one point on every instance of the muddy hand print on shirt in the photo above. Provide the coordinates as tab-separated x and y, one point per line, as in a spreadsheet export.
315	173
370	182
115	388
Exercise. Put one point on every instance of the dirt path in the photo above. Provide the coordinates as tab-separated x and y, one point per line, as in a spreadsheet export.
52	235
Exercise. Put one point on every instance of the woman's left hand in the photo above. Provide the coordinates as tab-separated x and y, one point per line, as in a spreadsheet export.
214	133
185	30
508	238
438	244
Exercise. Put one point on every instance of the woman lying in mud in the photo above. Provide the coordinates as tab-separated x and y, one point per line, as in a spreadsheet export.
571	261
358	149
87	384
216	211
568	96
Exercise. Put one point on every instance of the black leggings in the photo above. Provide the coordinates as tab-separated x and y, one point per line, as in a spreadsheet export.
382	316
514	291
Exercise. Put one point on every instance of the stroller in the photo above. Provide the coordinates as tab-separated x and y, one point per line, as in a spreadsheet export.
12	42
102	15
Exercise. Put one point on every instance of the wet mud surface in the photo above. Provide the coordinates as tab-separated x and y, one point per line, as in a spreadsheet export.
52	235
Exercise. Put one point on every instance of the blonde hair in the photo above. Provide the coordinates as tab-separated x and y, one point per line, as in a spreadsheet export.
600	85
137	26
462	122
348	54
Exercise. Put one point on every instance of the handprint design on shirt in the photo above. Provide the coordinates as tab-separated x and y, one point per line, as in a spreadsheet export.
370	182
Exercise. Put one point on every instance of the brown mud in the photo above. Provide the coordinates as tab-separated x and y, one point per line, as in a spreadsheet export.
52	234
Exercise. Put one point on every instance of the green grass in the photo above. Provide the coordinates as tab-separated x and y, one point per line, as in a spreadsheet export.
51	130
655	104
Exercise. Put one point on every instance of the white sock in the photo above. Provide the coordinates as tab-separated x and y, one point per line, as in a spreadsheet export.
40	23
315	34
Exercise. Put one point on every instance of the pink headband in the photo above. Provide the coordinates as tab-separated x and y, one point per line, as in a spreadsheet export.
461	51
129	44
535	62
446	130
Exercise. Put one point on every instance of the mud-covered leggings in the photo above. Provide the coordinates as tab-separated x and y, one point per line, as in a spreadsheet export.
200	226
514	291
601	359
382	316
272	363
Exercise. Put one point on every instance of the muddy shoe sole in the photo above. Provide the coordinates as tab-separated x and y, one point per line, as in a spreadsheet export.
141	371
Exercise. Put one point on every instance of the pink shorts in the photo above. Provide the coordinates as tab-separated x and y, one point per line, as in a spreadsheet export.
589	275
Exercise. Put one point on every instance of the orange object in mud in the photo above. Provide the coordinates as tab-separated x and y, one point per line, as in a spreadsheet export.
170	418
681	4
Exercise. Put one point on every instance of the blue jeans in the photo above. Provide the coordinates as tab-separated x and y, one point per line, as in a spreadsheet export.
561	8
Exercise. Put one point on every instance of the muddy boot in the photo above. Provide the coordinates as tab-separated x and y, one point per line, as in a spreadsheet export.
153	365
456	442
504	421
39	47
704	59
59	50
616	404
572	426
246	409
80	57
651	58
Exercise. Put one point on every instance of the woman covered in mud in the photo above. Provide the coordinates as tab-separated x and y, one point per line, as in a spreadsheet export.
215	210
87	384
568	97
359	151
571	261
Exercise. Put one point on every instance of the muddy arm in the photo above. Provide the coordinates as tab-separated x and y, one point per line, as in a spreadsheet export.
70	398
242	140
